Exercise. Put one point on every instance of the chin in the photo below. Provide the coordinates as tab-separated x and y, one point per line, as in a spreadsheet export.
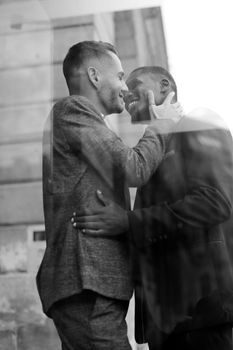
140	117
115	110
119	109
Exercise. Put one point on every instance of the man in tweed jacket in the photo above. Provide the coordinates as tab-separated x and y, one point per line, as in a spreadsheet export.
84	283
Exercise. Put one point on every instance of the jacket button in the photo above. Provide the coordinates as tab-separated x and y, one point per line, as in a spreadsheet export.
179	225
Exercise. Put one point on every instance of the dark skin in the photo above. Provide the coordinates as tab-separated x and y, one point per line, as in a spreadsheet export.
109	220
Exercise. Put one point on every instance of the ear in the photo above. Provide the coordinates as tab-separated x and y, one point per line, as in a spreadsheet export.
165	85
94	76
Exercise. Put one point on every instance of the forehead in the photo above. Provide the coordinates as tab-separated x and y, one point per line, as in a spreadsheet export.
108	63
140	79
112	62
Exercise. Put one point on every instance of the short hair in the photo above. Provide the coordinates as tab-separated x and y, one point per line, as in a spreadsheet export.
80	52
157	70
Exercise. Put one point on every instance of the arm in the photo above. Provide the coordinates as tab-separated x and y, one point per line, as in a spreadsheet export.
199	210
179	216
209	191
104	150
208	202
108	220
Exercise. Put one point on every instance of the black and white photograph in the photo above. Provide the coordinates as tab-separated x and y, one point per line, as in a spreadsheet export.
116	175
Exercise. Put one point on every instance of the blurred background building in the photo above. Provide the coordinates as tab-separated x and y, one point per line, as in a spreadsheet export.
34	38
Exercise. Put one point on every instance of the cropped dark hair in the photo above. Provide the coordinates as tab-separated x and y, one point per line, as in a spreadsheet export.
83	50
157	70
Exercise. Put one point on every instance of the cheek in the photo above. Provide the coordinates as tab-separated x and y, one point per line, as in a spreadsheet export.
115	92
143	110
158	100
143	104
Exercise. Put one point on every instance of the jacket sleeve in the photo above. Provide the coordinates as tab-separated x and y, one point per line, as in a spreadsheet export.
209	193
87	134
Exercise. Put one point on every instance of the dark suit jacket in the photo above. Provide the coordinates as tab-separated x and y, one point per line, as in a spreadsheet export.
181	252
82	155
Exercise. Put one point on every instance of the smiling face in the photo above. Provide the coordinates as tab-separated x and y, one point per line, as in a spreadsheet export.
112	85
136	101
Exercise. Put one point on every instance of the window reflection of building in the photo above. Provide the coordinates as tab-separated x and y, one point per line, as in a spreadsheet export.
31	79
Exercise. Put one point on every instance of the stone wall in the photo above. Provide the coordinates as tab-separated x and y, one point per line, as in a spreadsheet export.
30	80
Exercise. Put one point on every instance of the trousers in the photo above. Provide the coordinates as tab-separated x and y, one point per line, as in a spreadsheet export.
90	321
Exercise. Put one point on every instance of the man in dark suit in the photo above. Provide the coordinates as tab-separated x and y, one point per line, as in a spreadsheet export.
182	272
85	283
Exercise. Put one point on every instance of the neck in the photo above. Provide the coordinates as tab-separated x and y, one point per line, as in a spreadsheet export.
97	103
91	95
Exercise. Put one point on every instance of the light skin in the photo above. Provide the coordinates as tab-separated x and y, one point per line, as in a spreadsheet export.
101	80
111	85
146	95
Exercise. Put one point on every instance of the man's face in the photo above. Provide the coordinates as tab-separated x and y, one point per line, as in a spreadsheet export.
136	101
112	85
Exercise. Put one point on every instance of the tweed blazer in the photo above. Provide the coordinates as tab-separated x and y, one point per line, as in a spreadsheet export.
80	155
181	253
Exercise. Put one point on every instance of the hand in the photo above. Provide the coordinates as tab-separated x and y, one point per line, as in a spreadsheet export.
167	110
107	221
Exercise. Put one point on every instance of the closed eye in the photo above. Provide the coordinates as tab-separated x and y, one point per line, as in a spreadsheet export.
121	75
133	84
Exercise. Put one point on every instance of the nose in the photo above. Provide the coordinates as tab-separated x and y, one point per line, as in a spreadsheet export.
127	96
127	93
124	86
